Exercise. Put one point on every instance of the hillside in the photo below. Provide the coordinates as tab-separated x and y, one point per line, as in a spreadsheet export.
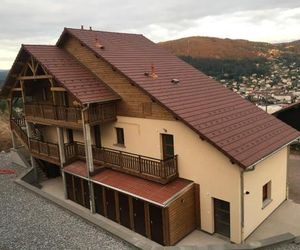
3	74
217	48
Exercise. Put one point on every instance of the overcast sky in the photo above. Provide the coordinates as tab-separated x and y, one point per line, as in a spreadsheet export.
42	21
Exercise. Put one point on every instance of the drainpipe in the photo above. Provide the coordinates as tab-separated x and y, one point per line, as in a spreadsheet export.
89	159
249	169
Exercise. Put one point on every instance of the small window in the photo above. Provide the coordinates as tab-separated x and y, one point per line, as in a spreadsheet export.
120	136
266	194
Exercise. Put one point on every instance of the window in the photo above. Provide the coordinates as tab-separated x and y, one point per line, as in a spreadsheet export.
120	136
266	194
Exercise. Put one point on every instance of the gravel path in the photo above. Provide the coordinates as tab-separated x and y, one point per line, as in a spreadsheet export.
28	221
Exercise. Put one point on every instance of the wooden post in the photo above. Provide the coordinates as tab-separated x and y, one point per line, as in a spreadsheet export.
92	198
117	206
131	213
61	146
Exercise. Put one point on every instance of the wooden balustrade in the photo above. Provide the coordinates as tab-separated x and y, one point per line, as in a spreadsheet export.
44	150
146	167
17	125
62	115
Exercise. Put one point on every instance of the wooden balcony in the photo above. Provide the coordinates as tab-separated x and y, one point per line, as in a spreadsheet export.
162	171
70	117
44	150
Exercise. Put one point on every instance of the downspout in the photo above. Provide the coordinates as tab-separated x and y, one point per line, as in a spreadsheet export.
91	190
252	168
85	108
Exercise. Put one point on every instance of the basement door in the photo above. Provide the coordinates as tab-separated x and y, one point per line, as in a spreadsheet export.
156	224
98	194
124	210
110	203
222	217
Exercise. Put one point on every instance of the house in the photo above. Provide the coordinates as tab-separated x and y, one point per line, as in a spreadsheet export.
146	140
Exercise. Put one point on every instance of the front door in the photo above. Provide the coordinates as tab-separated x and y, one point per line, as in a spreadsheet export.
156	225
222	217
139	216
167	146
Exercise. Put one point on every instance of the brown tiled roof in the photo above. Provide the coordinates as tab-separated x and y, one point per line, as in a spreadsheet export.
243	132
71	74
144	189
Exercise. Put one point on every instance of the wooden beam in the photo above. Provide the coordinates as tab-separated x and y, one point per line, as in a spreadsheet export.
58	89
34	77
147	220
17	89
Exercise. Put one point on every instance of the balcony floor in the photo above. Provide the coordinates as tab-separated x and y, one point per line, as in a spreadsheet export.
147	190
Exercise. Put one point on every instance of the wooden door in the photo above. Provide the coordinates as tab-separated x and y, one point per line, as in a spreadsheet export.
167	146
98	193
156	224
222	217
86	193
139	216
97	136
110	203
78	191
124	210
70	187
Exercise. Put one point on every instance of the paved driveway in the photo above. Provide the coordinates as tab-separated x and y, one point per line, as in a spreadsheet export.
294	178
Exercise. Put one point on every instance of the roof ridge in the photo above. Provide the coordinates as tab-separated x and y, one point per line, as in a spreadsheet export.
105	31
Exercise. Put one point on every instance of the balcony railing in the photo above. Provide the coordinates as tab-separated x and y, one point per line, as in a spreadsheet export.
96	113
44	150
161	171
17	125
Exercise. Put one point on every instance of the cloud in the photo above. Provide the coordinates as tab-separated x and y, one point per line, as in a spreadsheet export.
38	21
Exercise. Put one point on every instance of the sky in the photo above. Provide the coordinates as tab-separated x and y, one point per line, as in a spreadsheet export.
42	21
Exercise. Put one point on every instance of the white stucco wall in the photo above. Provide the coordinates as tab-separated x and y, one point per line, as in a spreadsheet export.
272	169
197	161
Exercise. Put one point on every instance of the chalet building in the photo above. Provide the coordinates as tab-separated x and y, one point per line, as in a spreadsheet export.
144	139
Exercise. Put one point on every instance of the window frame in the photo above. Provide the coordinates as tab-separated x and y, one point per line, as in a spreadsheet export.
266	194
120	140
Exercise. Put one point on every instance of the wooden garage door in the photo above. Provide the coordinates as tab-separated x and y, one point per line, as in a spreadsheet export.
124	210
156	224
110	203
98	193
139	216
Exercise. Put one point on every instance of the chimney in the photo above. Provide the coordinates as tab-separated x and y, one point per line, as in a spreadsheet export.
81	26
90	27
98	44
153	71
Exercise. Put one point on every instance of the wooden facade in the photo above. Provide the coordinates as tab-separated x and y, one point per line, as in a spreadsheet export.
134	102
165	225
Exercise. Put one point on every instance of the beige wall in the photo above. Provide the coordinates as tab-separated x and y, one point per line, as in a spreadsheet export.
272	169
197	160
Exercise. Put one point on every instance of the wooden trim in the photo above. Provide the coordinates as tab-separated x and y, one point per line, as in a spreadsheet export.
82	192
166	230
17	89
58	89
131	213
73	187
34	77
147	220
197	205
117	207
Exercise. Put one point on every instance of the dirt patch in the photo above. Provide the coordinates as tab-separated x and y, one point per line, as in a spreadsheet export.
5	138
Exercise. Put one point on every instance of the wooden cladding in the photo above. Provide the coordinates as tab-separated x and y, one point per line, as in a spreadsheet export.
78	190
134	102
162	171
164	225
69	116
44	150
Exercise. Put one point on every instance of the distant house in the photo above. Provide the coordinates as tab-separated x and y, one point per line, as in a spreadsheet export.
146	140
